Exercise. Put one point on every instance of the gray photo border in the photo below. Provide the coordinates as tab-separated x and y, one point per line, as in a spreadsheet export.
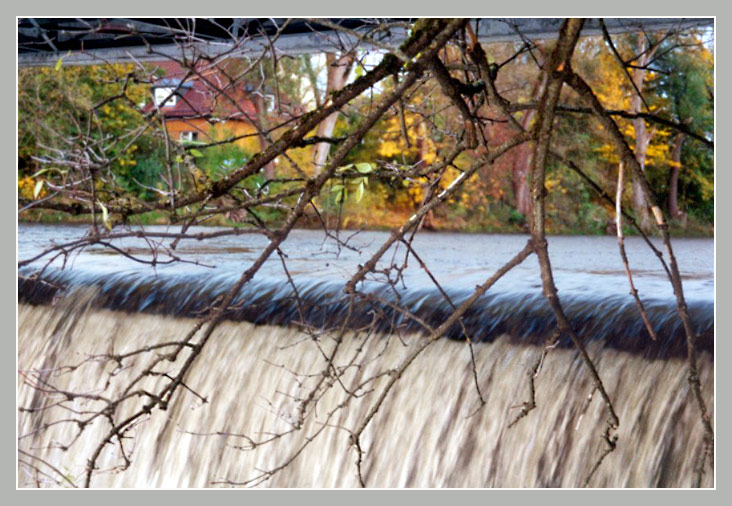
373	8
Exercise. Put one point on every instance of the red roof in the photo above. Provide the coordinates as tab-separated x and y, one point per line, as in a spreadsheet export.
200	96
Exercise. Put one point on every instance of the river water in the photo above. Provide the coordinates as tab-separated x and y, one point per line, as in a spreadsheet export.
582	264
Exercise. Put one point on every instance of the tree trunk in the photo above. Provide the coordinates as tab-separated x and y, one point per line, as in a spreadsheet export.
261	108
642	139
520	175
338	70
523	157
642	135
310	72
673	185
428	222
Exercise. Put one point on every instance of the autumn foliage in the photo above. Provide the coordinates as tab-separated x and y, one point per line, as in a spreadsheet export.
676	85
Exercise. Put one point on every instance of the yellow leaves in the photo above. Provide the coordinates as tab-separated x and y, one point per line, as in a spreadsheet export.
389	148
551	183
607	152
628	129
392	142
200	180
430	157
415	193
658	154
465	198
31	189
651	76
610	84
707	57
126	159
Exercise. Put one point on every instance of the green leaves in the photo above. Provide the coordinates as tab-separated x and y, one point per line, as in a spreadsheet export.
42	171
195	153
38	188
339	191
357	185
60	62
359	71
361	168
364	168
359	191
62	172
105	215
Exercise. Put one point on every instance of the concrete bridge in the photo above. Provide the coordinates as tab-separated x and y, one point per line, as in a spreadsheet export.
42	41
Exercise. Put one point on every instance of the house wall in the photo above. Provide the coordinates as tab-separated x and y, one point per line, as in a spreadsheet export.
211	133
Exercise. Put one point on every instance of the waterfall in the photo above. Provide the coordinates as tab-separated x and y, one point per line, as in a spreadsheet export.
524	316
431	431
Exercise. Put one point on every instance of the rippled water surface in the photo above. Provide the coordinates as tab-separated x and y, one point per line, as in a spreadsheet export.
583	265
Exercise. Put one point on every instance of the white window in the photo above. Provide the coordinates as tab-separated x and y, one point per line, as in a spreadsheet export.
161	94
189	136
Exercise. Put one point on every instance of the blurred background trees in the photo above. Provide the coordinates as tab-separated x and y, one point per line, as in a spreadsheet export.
68	105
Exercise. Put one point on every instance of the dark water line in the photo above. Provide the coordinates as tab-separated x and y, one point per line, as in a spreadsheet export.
526	317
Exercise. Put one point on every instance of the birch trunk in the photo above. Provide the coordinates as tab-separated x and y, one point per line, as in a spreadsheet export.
338	70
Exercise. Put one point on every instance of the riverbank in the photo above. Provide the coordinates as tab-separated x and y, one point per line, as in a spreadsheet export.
391	220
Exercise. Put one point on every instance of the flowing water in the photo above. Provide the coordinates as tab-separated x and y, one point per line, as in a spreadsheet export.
432	430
